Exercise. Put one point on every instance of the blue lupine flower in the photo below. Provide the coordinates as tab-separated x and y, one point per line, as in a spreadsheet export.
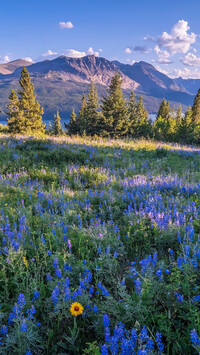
91	290
30	312
134	337
143	334
48	277
21	301
29	352
36	295
106	327
138	286
55	295
187	250
43	240
114	345
104	350
4	330
58	273
159	343
195	298
150	344
95	309
194	337
179	297
55	263
23	326
49	252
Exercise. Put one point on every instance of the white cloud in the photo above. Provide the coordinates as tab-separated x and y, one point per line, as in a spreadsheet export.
68	25
78	54
100	50
161	70
185	73
6	59
131	61
191	60
74	53
179	40
163	55
49	53
91	51
128	50
28	59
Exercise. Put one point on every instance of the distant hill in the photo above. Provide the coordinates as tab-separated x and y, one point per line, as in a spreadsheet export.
61	82
8	68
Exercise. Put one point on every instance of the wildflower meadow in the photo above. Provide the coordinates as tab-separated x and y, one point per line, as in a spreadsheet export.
100	247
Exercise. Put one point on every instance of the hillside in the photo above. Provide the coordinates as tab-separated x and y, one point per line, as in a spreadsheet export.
60	82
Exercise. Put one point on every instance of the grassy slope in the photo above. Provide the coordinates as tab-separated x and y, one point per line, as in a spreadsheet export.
92	192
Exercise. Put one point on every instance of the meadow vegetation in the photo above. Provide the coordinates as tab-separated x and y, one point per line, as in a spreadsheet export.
100	247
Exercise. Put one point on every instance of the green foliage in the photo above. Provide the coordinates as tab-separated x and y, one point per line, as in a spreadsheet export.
132	116
72	127
56	126
185	127
28	104
82	117
114	110
164	109
143	123
25	113
92	113
165	125
16	121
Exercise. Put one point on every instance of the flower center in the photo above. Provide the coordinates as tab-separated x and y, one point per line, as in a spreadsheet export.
76	308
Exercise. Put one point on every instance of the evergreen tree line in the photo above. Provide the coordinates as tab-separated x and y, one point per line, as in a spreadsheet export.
113	117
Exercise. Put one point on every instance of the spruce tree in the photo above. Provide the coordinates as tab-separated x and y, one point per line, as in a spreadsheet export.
132	116
29	105
164	109
82	117
196	118
185	129
114	110
72	127
164	127
56	126
92	118
178	118
143	123
16	121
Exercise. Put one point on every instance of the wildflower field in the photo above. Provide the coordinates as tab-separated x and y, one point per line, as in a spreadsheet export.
99	247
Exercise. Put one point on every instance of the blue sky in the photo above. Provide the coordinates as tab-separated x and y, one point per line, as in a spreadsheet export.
163	33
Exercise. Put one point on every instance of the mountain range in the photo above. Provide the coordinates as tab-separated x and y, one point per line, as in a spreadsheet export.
61	82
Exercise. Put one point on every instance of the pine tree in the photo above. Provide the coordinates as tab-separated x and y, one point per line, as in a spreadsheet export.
92	111
16	121
114	110
164	127
185	129
132	116
143	123
178	118
29	105
164	109
56	126
72	127
196	118
82	117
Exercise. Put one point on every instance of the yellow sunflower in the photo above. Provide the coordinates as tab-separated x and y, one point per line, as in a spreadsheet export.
76	309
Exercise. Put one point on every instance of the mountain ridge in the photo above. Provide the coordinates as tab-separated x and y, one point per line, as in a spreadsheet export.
61	82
